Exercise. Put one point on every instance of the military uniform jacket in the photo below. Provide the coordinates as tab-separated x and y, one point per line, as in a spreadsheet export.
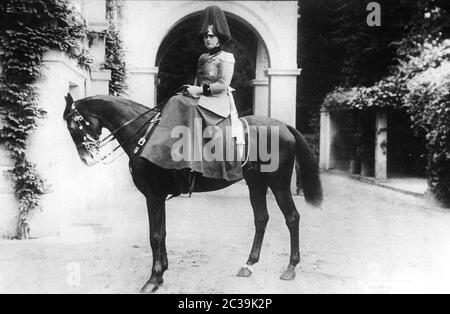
217	71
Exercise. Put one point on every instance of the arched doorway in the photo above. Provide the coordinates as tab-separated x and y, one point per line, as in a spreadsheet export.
265	29
179	51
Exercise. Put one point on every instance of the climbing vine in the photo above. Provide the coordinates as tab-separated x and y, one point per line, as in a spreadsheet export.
29	29
114	52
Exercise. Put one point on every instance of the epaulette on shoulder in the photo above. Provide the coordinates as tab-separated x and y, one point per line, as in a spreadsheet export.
226	56
203	56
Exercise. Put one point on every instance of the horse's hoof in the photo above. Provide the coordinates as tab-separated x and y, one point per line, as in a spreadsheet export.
244	272
289	274
150	287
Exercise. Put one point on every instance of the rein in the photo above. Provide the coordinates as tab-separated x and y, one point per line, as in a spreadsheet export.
141	141
93	146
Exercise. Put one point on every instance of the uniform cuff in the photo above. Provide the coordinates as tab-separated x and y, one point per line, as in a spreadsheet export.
207	90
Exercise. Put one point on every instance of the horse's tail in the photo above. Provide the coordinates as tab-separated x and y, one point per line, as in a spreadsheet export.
309	170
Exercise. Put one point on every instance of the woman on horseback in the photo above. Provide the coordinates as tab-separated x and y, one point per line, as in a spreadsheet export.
209	100
215	68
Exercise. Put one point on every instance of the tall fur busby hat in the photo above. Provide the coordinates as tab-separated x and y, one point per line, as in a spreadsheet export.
213	15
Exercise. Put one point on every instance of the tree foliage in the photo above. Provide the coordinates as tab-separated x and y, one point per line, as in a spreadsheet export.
418	81
336	47
428	103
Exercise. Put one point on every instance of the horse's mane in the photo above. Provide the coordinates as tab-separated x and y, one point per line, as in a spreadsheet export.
111	99
114	101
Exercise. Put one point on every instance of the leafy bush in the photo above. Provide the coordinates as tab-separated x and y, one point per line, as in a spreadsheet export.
343	99
428	103
387	94
420	83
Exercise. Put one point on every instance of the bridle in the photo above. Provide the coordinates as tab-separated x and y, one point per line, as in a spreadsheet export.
93	146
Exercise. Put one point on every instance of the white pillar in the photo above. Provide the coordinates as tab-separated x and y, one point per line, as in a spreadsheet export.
327	134
381	145
51	147
142	85
261	82
260	97
74	189
325	140
282	94
282	100
99	83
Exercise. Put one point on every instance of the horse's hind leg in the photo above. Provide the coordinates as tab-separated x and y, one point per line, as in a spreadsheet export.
292	217
258	190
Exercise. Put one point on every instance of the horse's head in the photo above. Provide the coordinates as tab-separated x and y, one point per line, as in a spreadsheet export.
85	130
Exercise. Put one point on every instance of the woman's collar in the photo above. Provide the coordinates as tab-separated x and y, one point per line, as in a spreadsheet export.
215	50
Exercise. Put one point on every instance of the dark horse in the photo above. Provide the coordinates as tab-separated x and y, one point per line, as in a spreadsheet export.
124	118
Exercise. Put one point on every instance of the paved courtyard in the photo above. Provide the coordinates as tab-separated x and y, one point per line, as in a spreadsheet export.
365	239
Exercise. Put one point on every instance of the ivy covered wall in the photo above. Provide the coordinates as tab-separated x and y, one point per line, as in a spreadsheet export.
115	56
29	29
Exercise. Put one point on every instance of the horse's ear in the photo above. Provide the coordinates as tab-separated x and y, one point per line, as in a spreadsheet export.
69	102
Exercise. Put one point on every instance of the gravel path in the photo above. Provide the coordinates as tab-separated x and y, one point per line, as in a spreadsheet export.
366	239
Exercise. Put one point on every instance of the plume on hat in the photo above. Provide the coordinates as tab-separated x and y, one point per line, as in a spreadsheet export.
213	15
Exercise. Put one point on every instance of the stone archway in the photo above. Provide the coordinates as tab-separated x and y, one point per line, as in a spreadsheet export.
145	25
178	53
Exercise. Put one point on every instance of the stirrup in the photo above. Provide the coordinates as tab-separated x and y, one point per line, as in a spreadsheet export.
191	179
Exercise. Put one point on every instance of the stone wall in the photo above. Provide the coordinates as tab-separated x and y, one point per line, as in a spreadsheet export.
73	188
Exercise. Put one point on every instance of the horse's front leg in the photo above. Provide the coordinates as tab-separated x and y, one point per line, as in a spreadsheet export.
156	207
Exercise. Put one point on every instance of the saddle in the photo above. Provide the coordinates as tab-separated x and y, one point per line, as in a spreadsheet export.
157	144
184	179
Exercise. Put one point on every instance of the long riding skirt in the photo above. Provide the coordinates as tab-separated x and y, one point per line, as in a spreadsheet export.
179	141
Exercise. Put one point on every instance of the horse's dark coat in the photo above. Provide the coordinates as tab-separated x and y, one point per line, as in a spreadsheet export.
157	183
